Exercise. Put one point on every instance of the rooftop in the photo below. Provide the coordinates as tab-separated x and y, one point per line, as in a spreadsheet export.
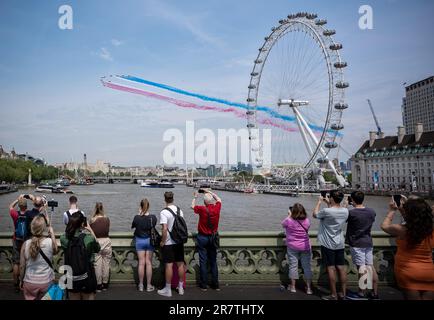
419	83
391	143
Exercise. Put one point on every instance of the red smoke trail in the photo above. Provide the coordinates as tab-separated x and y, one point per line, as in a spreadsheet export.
185	104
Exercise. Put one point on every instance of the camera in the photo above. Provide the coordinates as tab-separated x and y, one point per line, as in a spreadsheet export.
324	194
201	191
397	199
350	201
26	196
52	204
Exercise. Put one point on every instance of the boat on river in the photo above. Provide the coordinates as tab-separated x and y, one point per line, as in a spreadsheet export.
48	188
156	184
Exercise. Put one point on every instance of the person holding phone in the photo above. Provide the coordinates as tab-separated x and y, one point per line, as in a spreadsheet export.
296	226
19	221
331	238
358	237
207	228
414	267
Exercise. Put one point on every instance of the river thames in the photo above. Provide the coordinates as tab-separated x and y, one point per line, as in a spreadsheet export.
240	212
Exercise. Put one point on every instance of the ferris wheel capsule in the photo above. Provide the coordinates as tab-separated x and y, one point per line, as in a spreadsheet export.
340	65
342	85
329	33
336	46
341	106
337	126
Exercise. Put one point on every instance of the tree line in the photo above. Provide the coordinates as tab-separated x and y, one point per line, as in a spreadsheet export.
17	171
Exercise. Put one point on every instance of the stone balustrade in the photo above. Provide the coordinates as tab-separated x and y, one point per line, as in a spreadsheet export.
244	257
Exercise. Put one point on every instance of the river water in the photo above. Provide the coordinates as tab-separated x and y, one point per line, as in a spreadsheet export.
240	212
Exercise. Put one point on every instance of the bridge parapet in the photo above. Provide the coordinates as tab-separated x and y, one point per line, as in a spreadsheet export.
243	258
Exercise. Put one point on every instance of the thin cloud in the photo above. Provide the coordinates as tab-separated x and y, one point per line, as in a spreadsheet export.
187	22
105	54
116	42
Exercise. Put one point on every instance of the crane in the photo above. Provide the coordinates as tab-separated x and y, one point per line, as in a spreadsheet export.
375	118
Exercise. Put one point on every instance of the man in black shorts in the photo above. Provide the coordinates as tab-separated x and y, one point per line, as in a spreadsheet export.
172	252
331	238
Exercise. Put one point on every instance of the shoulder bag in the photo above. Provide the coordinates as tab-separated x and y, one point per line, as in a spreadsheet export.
215	237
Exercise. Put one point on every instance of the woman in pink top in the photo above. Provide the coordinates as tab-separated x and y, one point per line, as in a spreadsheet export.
296	227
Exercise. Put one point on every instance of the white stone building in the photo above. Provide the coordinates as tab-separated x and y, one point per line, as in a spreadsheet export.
401	162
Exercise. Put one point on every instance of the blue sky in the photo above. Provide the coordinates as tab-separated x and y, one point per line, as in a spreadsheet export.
52	104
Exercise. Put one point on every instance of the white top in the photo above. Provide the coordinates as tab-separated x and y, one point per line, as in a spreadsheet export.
38	271
166	217
71	211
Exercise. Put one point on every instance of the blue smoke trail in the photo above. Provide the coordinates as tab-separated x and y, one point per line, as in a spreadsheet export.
268	110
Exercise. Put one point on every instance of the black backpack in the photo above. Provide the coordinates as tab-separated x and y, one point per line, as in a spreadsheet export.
179	232
83	272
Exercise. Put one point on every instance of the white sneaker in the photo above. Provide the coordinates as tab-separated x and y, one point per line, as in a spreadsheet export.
292	289
165	292
181	291
150	288
140	287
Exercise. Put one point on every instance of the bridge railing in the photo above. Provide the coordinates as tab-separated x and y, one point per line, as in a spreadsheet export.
244	257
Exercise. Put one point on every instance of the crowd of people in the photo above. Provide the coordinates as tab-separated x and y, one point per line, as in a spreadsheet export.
414	264
87	247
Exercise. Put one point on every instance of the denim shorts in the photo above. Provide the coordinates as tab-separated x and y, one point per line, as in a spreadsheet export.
144	244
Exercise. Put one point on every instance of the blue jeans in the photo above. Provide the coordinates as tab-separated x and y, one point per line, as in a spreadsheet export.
207	253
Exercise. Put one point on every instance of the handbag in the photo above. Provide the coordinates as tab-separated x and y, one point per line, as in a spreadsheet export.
155	236
54	292
215	237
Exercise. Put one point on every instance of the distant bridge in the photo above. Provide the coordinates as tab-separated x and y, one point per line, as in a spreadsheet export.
134	179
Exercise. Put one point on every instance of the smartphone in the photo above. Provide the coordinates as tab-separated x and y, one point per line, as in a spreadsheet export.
397	199
323	194
85	221
290	208
350	201
201	191
26	196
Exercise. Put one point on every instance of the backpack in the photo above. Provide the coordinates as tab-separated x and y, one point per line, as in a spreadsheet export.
179	232
21	227
83	272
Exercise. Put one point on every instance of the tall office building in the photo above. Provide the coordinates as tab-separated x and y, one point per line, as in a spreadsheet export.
418	105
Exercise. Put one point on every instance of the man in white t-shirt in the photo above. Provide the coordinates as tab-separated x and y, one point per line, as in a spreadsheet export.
73	208
172	252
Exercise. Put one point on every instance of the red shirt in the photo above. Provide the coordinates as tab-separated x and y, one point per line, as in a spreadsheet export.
214	212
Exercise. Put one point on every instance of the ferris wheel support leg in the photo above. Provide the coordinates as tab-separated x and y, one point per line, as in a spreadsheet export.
303	134
340	179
